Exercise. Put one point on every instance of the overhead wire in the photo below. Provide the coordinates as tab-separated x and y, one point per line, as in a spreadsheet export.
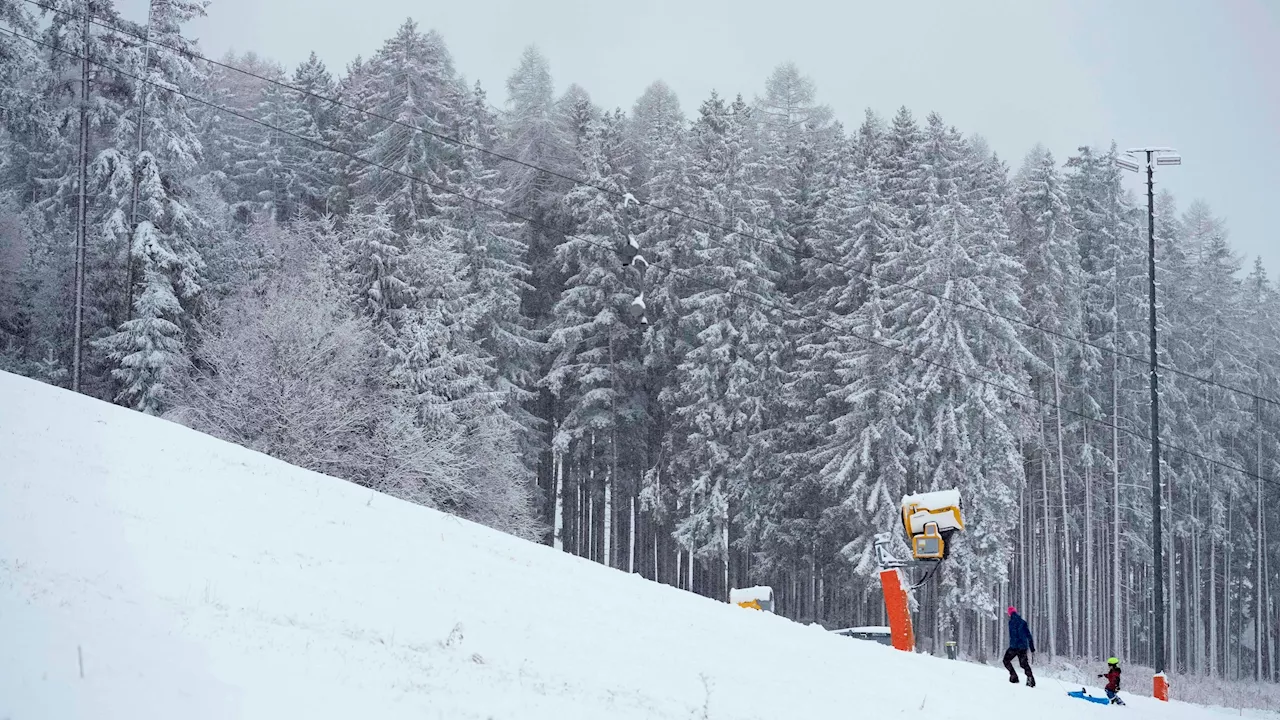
807	254
668	269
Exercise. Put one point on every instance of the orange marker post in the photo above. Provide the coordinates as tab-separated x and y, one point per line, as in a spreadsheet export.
1160	687
898	609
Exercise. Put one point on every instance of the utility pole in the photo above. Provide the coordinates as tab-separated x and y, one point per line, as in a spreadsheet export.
1154	156
77	343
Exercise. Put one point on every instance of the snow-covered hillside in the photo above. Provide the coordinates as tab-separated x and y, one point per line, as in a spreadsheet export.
148	571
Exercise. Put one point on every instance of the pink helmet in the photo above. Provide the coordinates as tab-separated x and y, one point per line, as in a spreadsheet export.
1012	610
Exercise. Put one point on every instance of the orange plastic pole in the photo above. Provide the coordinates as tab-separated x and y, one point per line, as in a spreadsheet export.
1160	687
898	609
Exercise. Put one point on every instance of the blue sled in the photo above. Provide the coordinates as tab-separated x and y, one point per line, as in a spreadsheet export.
1086	696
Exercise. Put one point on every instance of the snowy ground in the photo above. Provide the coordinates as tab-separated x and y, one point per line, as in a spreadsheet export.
148	571
1244	698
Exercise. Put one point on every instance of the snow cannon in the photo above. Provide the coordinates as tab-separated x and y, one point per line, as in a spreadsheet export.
930	519
755	598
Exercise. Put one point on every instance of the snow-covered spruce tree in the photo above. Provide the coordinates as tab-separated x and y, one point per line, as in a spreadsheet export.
24	119
492	270
98	274
964	432
794	136
314	79
719	393
1107	252
375	268
280	170
906	178
347	136
661	175
1182	476
317	164
597	371
225	138
448	383
863	463
1040	222
420	285
411	79
165	259
534	131
1206	338
655	118
443	380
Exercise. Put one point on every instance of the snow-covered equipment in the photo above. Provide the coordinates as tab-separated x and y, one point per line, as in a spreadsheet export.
930	519
759	597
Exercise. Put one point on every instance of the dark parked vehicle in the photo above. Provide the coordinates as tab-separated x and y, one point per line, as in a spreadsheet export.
877	633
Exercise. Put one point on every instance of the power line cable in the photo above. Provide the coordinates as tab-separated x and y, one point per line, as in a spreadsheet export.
670	270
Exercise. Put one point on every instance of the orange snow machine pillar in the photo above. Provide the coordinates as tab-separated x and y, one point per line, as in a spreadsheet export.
1160	687
895	603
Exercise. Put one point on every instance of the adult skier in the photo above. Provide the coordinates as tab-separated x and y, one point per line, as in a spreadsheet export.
1020	643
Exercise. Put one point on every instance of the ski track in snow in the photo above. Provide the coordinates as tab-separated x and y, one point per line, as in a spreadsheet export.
192	578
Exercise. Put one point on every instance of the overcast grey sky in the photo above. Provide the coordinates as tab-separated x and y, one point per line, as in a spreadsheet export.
1198	75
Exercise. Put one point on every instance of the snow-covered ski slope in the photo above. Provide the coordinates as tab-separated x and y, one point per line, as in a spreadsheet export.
149	571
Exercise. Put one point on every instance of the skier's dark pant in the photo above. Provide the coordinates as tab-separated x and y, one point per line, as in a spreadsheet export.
1021	654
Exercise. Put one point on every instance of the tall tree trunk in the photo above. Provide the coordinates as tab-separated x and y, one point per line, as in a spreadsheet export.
1213	602
1227	663
557	470
1066	515
631	550
1050	570
655	533
1271	613
1116	589
813	582
82	222
1090	623
607	553
612	475
1258	615
691	571
1194	628
1024	579
725	544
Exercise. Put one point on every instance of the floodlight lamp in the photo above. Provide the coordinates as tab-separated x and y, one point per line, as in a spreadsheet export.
1168	159
1127	163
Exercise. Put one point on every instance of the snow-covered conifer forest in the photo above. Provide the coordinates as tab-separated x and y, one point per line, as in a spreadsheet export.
423	288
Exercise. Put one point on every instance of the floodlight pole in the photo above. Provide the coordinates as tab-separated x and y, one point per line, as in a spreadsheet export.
1156	530
1170	157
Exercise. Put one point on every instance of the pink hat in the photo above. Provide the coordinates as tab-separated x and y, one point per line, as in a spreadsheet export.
1012	610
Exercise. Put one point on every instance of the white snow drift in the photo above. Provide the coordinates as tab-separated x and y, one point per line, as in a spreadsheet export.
148	571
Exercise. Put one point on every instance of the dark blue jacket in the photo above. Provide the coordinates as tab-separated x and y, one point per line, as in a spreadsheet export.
1019	634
